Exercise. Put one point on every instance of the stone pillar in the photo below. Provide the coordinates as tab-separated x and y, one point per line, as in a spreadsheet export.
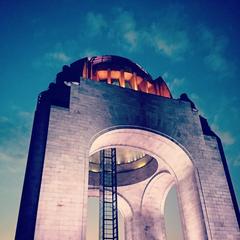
63	196
32	181
153	203
190	208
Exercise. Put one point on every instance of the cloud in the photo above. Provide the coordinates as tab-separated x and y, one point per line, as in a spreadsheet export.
89	53
169	35
211	40
58	56
177	82
194	96
3	119
205	36
163	45
216	62
226	136
14	141
53	59
215	47
123	29
95	24
174	83
131	38
236	161
171	44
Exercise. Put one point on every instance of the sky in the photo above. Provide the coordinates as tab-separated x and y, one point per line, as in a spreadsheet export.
193	45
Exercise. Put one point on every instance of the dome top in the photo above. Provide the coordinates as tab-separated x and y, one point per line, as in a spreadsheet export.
114	70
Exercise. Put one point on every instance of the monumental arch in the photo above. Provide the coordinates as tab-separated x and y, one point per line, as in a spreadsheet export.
110	102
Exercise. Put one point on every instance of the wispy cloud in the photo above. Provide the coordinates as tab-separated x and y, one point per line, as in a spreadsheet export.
89	53
58	56
95	24
53	59
171	44
236	161
226	136
170	36
14	141
216	61
174	83
123	29
215	47
194	96
120	28
167	37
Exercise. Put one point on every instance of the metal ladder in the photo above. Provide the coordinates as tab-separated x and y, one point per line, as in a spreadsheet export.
108	195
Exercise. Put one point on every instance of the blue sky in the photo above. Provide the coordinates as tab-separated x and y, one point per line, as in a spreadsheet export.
193	45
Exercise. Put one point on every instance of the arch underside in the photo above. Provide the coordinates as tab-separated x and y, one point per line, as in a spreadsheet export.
142	203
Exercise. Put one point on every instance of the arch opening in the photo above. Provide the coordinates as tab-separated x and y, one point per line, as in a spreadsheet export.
124	212
132	166
172	216
174	161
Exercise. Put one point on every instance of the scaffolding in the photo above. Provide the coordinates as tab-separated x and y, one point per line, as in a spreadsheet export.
108	195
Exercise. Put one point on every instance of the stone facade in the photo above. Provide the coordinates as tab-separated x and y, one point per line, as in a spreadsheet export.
101	115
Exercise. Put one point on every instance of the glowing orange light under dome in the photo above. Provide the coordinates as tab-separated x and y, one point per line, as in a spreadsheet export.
102	74
123	72
127	75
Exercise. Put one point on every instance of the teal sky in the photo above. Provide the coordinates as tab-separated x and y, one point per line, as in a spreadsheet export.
193	45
